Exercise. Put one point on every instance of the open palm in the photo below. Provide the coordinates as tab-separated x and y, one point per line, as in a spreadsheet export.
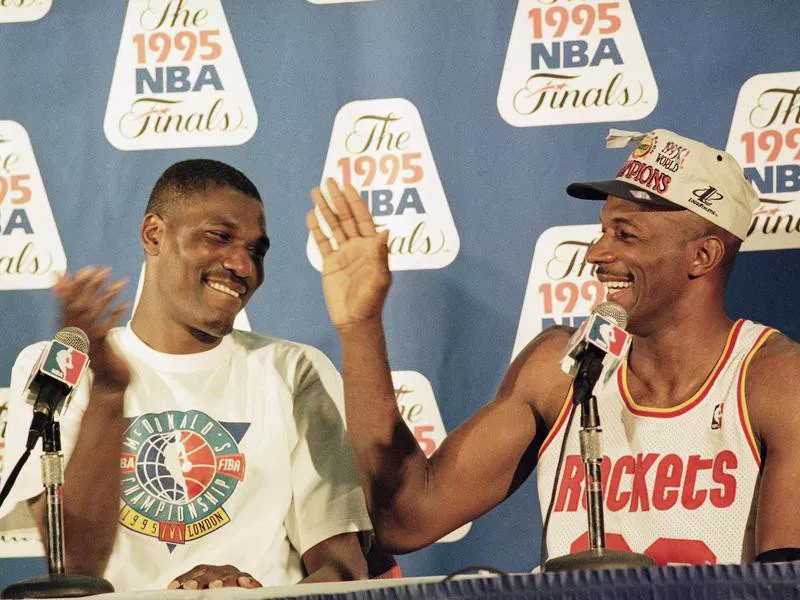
355	268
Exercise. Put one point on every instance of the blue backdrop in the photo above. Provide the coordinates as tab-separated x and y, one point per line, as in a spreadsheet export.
504	184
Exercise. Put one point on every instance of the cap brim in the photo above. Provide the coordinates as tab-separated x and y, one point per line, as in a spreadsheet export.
600	190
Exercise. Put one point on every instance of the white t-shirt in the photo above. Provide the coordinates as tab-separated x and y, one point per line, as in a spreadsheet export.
237	455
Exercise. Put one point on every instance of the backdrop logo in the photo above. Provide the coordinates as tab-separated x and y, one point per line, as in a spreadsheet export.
575	62
177	470
562	288
420	411
30	248
16	11
765	139
178	82
380	147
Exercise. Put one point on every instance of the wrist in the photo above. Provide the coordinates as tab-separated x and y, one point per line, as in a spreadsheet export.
370	327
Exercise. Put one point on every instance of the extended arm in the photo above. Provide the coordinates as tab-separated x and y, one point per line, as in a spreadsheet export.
91	480
414	500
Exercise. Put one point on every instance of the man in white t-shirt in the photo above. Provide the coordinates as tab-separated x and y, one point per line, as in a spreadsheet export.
192	445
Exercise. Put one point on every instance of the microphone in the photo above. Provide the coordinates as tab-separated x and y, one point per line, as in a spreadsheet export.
601	342
56	374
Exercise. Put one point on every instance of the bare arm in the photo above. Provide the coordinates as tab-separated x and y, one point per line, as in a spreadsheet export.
339	558
91	480
773	400
414	500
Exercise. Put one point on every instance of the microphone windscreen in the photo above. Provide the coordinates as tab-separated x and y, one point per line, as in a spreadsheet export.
612	310
75	337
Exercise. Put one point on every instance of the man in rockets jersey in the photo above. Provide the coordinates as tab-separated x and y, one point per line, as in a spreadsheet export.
700	457
198	455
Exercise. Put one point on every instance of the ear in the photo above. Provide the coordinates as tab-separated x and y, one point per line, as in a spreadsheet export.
705	255
151	234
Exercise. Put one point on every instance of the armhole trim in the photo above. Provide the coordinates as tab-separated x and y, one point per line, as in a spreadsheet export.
741	400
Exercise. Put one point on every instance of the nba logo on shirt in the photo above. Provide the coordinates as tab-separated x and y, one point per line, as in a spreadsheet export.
64	362
607	336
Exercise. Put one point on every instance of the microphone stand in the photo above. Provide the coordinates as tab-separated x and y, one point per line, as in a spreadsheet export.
57	584
591	440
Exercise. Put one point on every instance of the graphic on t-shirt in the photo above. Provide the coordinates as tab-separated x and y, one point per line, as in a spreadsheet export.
177	470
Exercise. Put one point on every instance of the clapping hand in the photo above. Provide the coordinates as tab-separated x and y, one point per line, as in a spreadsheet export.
88	301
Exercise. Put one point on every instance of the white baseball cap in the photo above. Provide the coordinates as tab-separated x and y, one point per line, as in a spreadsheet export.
670	170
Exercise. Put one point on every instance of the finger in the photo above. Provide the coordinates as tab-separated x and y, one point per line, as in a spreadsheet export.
330	217
342	206
246	580
229	580
85	287
112	320
63	281
99	304
181	580
360	212
323	243
69	286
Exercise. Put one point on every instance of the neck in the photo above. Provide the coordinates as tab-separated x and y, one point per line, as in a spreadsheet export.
666	366
166	336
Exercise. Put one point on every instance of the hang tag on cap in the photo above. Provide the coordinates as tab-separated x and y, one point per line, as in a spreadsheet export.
619	138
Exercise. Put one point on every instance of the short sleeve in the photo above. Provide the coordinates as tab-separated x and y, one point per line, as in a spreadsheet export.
20	412
327	499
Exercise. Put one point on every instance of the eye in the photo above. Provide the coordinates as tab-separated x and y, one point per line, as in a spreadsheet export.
219	235
258	253
623	234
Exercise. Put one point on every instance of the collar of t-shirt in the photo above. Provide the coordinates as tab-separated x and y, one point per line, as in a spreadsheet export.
176	363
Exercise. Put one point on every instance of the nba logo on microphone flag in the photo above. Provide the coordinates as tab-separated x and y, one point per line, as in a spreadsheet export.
607	336
64	363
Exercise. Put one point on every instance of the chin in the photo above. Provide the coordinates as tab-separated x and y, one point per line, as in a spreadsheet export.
214	329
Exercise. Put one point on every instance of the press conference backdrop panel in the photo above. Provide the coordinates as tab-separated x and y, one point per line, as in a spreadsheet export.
461	121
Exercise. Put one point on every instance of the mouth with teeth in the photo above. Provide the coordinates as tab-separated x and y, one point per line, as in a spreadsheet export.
215	285
616	288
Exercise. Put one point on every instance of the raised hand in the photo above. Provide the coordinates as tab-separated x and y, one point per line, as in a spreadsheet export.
88	301
355	273
213	576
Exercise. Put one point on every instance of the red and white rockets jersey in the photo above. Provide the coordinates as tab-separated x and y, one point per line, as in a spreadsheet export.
680	484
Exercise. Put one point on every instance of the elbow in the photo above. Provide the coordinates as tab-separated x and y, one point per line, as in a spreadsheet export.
403	538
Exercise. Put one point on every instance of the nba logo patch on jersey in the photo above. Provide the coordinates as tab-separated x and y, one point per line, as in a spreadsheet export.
716	418
177	471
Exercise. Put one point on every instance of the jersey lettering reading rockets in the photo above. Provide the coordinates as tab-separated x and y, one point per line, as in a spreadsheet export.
177	471
680	483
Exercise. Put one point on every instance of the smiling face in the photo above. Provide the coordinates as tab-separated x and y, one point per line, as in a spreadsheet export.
205	261
644	259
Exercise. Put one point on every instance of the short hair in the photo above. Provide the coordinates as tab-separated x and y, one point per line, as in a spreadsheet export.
196	175
731	243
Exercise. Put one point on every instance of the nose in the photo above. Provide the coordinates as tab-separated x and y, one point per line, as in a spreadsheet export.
240	262
600	251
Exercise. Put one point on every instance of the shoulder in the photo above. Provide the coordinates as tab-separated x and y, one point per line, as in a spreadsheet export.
295	361
254	342
775	365
535	375
772	385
